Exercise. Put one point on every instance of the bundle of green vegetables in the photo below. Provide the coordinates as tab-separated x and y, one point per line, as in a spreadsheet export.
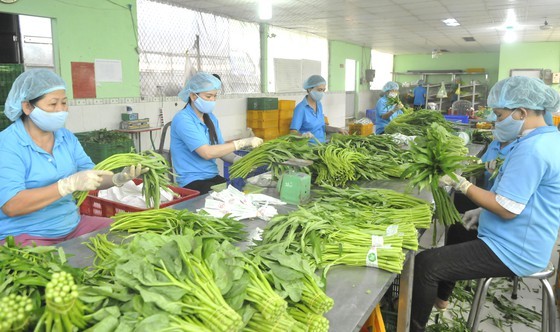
155	179
477	167
437	154
336	166
387	258
416	123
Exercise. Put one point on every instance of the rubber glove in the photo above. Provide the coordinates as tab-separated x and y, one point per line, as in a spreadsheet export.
81	181
250	142
470	219
128	173
343	131
490	166
307	135
462	184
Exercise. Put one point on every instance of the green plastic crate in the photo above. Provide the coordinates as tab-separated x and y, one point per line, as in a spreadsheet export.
262	103
101	151
4	121
8	74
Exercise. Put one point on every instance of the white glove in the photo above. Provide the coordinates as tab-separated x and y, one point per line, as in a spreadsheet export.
81	181
343	131
470	219
490	166
307	135
462	184
128	173
252	142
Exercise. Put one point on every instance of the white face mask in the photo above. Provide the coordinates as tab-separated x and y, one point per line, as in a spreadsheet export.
392	94
48	121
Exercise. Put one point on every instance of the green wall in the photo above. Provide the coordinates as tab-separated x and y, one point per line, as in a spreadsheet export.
338	53
447	61
86	30
529	56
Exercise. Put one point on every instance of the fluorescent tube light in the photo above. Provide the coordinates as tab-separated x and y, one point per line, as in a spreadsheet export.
451	22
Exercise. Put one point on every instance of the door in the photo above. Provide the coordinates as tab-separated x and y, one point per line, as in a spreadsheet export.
350	87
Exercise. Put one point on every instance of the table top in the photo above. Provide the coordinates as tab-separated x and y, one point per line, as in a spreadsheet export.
355	290
139	130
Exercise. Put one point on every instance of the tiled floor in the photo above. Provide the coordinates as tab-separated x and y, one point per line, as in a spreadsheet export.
529	295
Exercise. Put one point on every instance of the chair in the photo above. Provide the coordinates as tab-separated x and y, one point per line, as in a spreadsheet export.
548	323
165	152
461	107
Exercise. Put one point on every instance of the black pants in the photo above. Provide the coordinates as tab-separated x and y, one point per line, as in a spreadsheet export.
204	186
464	257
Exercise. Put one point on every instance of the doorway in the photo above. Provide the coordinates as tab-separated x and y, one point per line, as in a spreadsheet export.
350	87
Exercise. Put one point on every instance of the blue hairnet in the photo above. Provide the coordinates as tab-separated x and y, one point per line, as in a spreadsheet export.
526	92
200	82
29	85
420	82
313	81
390	86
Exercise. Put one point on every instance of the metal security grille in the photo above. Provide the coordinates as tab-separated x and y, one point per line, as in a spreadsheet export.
175	42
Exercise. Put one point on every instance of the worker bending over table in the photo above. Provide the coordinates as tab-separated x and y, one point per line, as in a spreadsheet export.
518	218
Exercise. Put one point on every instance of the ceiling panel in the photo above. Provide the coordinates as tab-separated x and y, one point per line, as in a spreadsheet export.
400	26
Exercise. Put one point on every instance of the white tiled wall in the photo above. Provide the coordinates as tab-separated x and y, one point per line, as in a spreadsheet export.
93	114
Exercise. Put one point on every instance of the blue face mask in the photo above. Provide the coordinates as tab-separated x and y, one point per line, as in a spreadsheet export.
204	106
316	95
492	117
508	129
48	121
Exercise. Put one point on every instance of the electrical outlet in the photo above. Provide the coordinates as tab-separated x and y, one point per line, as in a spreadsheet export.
80	102
114	100
98	101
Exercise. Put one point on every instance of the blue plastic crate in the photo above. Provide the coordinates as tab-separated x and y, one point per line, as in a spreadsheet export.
457	118
370	114
239	183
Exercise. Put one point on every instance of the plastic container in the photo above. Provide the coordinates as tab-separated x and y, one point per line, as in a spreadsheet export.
256	115
284	114
262	103
556	120
361	129
100	207
101	151
262	124
457	118
266	134
286	105
370	114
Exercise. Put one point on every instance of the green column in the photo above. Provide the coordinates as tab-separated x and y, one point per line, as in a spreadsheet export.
264	56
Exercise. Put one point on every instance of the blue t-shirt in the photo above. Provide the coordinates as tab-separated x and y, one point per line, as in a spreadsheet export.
307	120
530	175
188	133
494	152
24	166
419	93
380	109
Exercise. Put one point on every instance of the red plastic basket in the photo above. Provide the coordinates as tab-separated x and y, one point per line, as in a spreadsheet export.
100	207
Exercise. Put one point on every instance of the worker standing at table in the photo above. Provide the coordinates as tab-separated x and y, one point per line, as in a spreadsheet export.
419	95
196	139
43	164
385	111
518	218
309	119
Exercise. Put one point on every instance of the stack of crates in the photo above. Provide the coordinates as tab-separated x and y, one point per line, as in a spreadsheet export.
285	115
262	117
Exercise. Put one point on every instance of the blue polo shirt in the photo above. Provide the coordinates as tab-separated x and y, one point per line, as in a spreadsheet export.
419	93
307	120
380	109
188	133
530	175
494	152
24	166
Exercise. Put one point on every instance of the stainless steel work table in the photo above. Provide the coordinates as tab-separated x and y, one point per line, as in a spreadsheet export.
355	290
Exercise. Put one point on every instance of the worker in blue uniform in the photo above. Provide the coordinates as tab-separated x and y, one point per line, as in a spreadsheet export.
419	95
196	138
43	164
518	218
385	112
309	119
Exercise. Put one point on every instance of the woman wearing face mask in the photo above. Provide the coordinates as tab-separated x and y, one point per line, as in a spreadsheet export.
309	120
518	217
196	139
384	111
43	164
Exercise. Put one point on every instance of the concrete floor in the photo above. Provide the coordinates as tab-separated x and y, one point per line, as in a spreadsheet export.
529	295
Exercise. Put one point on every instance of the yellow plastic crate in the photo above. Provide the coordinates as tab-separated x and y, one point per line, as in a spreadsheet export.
556	119
284	124
285	114
267	133
361	129
285	105
259	115
262	124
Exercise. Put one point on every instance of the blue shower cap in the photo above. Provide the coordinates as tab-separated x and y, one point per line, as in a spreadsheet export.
526	92
200	82
390	86
313	81
29	85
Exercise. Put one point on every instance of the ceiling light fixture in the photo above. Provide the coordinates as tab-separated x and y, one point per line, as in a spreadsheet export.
511	20
451	22
545	26
265	9
510	36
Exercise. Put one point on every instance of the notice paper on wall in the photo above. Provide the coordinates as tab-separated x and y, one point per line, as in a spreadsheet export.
108	70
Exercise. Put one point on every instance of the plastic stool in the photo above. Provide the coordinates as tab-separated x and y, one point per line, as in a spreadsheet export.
548	303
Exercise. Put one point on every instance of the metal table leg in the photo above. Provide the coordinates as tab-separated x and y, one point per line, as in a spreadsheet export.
405	293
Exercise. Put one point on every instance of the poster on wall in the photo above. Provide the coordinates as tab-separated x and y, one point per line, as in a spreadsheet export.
83	80
107	70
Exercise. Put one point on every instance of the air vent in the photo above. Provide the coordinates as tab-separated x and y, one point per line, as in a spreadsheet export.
468	39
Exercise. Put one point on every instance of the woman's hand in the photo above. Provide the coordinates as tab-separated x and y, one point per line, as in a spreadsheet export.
81	181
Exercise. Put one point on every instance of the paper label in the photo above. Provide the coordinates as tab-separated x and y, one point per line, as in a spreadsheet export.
376	241
371	258
392	230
